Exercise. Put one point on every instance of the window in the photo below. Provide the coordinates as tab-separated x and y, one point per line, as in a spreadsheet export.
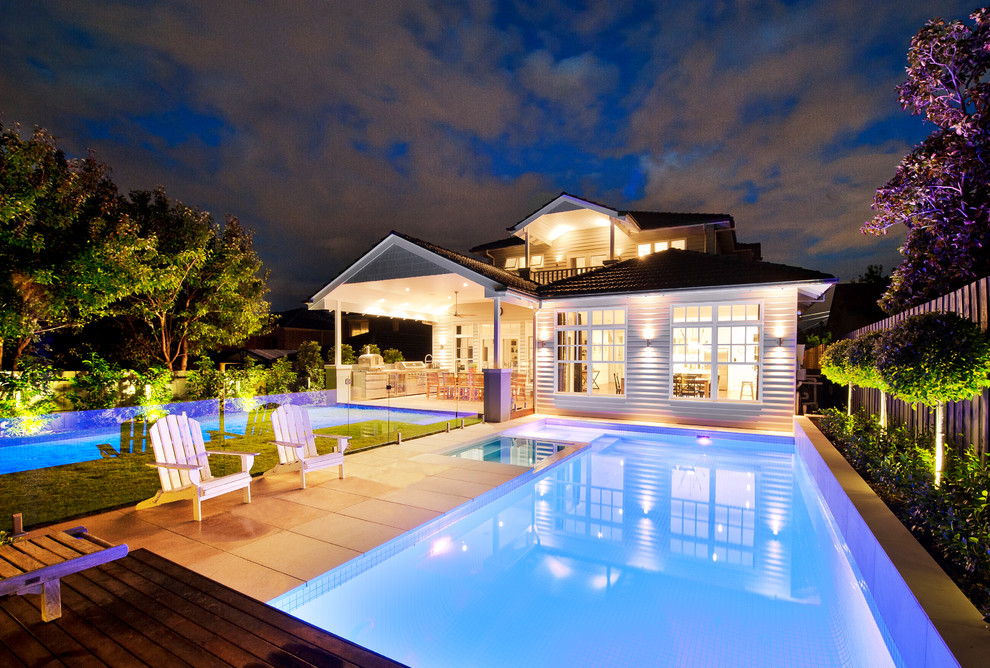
510	263
643	249
522	263
463	347
715	351
591	351
598	260
679	244
536	261
357	327
660	246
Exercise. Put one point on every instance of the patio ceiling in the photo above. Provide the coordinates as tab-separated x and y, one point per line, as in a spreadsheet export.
427	298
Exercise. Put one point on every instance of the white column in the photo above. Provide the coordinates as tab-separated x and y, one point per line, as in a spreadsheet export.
611	238
497	321
336	334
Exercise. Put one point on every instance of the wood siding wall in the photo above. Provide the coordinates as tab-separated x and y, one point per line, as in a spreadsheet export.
595	241
967	423
648	370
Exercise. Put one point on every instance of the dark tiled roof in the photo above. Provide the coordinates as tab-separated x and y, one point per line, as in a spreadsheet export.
477	266
678	270
501	243
655	220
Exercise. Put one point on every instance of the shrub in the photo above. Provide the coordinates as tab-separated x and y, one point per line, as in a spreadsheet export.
951	519
97	385
392	355
309	362
26	397
280	377
347	355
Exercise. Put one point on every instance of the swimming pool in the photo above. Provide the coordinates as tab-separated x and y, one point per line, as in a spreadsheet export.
86	442
675	548
516	450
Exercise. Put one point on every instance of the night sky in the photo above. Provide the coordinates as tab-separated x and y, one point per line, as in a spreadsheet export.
324	125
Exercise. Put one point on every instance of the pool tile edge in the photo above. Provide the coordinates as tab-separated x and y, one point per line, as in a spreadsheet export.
953	629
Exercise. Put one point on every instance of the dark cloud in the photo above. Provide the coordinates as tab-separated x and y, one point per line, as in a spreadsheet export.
323	125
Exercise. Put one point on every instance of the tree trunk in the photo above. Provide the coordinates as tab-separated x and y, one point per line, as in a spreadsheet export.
939	440
22	345
849	401
883	409
183	354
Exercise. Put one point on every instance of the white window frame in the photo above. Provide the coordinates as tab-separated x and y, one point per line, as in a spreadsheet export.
714	363
588	361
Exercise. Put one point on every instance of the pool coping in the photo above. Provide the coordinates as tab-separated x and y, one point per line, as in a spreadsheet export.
307	591
930	619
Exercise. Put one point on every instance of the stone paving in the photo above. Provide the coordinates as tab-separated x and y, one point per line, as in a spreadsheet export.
288	535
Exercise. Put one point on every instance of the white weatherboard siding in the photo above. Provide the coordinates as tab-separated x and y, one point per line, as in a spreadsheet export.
648	371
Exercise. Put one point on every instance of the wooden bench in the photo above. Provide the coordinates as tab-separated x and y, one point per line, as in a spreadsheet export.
36	565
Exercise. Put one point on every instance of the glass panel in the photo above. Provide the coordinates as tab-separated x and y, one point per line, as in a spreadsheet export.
660	246
706	314
536	261
679	315
752	311
643	249
596	317
620	317
679	244
692	380
724	312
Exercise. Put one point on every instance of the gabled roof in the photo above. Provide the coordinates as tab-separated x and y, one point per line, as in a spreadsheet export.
489	271
561	203
679	270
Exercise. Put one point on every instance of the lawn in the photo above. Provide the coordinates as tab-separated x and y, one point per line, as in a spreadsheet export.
58	493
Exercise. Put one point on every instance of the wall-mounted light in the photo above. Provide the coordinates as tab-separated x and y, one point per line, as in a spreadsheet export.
780	341
648	335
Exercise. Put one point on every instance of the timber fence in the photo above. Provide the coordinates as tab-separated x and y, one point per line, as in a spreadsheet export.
967	422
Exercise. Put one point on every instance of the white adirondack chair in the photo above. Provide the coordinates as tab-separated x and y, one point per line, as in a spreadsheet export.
296	445
184	469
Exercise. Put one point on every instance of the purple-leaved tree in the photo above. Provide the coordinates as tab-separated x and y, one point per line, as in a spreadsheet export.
940	192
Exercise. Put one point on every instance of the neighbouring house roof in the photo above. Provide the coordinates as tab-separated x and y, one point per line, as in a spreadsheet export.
655	220
260	354
501	243
303	318
679	270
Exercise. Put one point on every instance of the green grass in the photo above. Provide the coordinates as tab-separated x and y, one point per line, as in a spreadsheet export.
59	493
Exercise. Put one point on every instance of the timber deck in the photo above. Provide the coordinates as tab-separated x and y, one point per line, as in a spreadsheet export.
143	609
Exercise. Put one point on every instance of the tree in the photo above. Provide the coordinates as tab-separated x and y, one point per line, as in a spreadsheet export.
940	189
861	355
209	283
933	358
68	251
835	367
309	363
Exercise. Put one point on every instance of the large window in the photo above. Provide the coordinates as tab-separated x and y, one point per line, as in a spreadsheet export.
591	351
715	351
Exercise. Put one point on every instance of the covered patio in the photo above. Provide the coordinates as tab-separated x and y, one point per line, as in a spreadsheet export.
483	341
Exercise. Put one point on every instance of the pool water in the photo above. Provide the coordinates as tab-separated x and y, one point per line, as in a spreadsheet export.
641	550
86	444
510	450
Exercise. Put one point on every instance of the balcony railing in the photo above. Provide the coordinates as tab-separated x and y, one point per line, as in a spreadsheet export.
552	275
